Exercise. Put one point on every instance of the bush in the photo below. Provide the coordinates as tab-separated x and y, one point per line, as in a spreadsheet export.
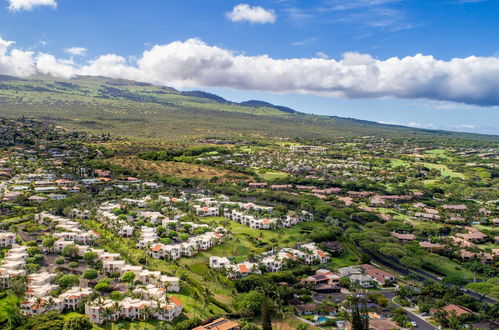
90	274
73	264
67	281
104	287
60	261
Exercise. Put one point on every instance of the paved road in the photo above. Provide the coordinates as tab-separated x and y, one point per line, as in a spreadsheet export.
422	275
422	324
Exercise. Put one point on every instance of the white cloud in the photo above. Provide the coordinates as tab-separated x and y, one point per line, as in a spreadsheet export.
244	12
321	55
17	5
191	63
76	51
305	42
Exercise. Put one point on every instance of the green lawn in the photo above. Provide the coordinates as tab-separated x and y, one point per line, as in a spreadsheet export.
399	162
269	175
489	288
444	170
7	306
438	153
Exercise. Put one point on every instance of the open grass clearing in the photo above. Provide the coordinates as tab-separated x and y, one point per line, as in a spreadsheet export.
178	169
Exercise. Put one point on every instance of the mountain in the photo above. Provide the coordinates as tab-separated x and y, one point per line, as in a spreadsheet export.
135	109
257	104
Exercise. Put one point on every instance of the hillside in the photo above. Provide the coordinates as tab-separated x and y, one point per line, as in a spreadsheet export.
142	110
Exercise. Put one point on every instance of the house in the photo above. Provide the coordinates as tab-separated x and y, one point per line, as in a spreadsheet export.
432	247
126	231
379	276
109	266
281	186
306	309
323	277
364	281
170	283
37	199
7	239
243	269
457	310
219	324
429	216
204	211
257	184
133	309
473	235
219	262
272	263
404	238
459	207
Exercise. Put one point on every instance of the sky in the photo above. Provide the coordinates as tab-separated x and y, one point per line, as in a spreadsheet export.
422	63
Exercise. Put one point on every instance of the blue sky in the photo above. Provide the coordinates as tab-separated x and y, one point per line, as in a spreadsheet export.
322	30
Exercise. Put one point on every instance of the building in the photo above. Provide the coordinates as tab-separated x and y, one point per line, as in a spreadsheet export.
7	239
404	238
219	324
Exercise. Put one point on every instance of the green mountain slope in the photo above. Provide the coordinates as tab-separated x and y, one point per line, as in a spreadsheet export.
142	110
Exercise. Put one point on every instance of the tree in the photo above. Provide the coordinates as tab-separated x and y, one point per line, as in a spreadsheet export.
266	318
400	317
15	318
103	285
358	316
128	277
32	250
49	242
46	321
90	257
70	251
67	281
116	296
18	285
90	274
78	322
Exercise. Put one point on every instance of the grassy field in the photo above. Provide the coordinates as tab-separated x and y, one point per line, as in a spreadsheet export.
489	288
269	175
178	169
395	162
444	170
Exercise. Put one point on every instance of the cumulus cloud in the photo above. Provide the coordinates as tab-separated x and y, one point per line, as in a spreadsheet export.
470	80
17	5
244	12
76	51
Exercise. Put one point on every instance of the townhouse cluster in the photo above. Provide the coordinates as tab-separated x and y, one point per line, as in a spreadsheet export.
14	262
266	222
41	186
154	305
272	261
188	248
71	232
39	299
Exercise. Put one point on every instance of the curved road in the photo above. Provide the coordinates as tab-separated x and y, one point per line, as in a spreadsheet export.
422	323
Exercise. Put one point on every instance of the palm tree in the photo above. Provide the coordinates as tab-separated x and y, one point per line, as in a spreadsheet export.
50	303
474	266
